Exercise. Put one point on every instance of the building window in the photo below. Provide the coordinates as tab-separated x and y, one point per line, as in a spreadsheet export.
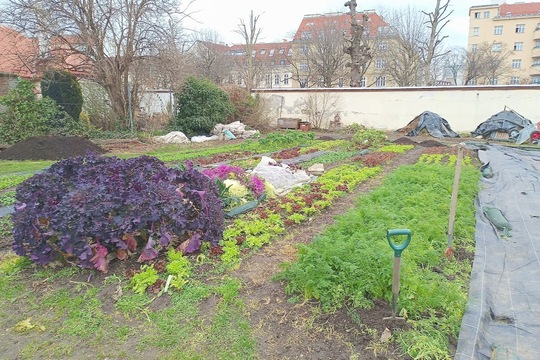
516	63
383	45
306	35
475	31
497	30
320	83
303	82
380	64
341	82
282	62
493	81
281	51
277	79
271	52
536	63
254	53
239	81
477	15
520	28
518	46
486	14
363	82
514	80
474	48
380	81
537	44
496	47
263	51
268	79
290	52
286	79
304	66
535	80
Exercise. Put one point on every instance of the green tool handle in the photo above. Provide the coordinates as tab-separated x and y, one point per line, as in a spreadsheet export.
395	284
398	248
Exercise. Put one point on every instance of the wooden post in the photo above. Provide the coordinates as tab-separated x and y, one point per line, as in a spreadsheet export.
453	203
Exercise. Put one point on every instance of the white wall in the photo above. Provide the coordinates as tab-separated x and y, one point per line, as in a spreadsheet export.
464	107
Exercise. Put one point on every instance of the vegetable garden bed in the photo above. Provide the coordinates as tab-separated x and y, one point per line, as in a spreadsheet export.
222	302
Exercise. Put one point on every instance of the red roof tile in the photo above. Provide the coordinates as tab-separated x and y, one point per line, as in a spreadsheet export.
340	21
17	53
532	8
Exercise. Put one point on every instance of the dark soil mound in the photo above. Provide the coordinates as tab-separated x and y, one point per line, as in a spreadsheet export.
50	148
430	143
404	141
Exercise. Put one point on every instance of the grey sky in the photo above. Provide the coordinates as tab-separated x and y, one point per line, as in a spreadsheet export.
280	18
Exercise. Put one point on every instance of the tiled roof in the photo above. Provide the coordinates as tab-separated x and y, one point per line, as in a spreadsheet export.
17	53
532	8
266	51
339	21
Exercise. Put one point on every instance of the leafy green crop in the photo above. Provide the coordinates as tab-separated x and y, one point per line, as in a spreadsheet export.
399	149
145	278
9	181
330	158
352	262
7	198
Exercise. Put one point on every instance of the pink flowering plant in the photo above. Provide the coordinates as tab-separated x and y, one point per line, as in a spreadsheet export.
235	184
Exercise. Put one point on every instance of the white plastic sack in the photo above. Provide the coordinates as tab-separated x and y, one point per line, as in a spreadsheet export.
280	176
174	137
202	138
236	127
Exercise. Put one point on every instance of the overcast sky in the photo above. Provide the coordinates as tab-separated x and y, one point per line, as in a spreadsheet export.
280	18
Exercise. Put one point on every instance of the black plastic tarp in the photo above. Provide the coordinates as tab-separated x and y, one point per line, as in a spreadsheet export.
507	121
435	125
502	319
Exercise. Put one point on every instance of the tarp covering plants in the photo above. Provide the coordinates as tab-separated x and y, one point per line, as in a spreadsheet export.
506	121
431	122
502	320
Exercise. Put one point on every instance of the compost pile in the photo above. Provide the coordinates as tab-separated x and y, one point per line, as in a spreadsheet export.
50	148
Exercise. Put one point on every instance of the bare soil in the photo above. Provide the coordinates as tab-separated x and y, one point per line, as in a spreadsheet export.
287	330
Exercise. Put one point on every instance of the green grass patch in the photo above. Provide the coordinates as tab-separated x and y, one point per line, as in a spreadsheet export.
351	262
11	166
398	149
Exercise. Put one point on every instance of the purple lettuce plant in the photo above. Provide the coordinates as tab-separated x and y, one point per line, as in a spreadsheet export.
87	208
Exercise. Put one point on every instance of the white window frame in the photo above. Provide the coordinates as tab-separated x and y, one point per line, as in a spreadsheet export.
514	80
380	63
496	47
277	79
516	63
498	30
286	79
363	82
475	31
380	81
518	46
474	48
520	28
486	14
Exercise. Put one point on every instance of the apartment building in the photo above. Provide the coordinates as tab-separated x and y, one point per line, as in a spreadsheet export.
318	57
513	29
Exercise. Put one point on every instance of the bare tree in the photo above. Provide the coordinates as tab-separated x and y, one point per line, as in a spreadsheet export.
357	47
320	60
403	58
250	33
455	62
211	57
107	38
486	64
319	106
431	49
